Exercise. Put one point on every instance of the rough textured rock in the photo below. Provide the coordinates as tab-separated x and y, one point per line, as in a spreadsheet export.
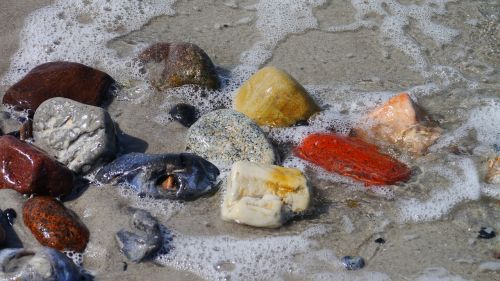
78	135
176	64
226	136
273	98
144	240
27	169
58	79
401	123
264	195
38	264
493	175
53	225
352	157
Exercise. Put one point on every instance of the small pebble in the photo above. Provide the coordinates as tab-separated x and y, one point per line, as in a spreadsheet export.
380	240
353	262
125	266
184	113
489	266
486	233
10	215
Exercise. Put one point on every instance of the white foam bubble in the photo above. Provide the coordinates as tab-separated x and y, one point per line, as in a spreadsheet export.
75	30
158	207
220	257
463	184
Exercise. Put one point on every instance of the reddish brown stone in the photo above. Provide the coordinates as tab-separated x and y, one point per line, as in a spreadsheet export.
55	226
58	79
178	64
27	169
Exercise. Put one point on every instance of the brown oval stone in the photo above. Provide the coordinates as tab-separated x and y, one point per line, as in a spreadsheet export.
177	64
55	226
27	169
58	79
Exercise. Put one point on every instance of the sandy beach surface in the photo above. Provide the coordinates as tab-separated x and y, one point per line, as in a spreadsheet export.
350	57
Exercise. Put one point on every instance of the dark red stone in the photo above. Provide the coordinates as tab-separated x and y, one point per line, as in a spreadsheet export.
55	226
27	169
58	79
352	157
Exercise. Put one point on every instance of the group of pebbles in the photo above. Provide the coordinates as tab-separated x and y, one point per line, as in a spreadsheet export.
67	135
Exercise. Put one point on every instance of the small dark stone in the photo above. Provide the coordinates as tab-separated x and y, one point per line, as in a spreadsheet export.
125	266
380	240
486	233
353	262
185	114
10	215
301	123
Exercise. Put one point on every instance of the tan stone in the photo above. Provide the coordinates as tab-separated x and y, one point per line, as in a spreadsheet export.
399	122
493	175
272	97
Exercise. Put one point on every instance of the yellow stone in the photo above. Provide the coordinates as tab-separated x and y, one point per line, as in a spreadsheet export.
271	97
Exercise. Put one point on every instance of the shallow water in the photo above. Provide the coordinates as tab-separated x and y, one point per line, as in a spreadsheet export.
351	56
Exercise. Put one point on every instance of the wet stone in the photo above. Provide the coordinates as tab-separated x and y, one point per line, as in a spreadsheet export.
380	240
38	264
78	135
175	64
3	236
185	114
353	262
28	170
486	233
174	176
352	157
10	215
272	97
263	195
225	136
144	239
58	79
55	226
493	175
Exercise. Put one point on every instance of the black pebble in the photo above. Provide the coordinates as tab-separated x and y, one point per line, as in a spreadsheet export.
301	123
125	266
486	233
185	114
380	240
10	215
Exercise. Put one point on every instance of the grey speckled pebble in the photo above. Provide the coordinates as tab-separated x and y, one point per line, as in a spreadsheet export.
225	136
78	135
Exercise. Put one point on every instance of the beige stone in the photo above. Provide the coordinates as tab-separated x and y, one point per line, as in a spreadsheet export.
493	175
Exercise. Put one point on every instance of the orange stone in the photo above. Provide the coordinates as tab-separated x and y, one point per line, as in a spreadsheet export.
352	157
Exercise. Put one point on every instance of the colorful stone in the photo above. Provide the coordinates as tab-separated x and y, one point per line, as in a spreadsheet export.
271	97
58	79
175	64
352	157
29	170
264	195
55	226
399	122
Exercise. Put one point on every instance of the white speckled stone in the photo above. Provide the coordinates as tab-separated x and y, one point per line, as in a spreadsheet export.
78	135
226	136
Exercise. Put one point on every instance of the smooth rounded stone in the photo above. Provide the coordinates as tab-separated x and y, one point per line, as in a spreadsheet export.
38	264
144	239
486	233
10	215
272	97
58	79
352	157
185	114
493	175
263	195
353	262
226	136
401	123
183	176
78	135
55	226
175	64
29	170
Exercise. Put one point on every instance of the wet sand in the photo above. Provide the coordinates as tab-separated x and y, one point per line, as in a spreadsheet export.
315	58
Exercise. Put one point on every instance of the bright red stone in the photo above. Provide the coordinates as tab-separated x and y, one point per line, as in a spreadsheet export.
352	157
